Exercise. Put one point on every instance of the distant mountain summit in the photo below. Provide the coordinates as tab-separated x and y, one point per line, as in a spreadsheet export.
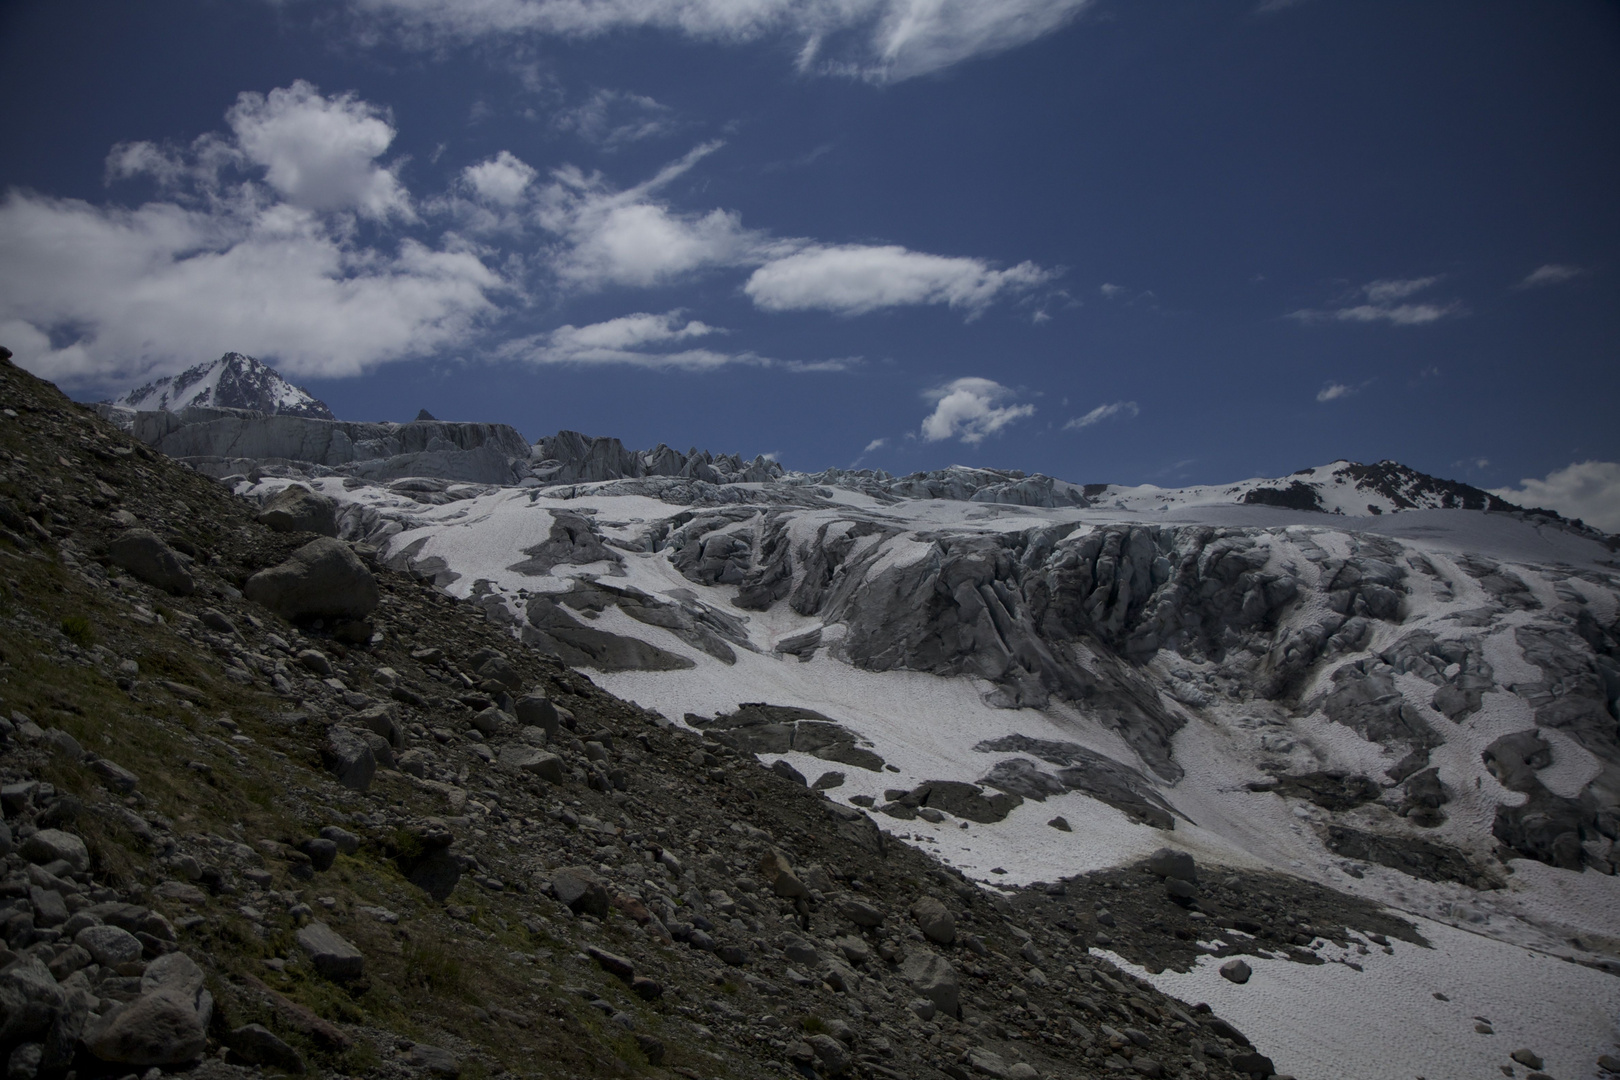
234	381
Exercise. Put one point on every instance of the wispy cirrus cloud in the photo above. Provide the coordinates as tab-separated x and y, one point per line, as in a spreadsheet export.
1128	409
1550	274
612	119
1387	301
1333	391
880	40
970	409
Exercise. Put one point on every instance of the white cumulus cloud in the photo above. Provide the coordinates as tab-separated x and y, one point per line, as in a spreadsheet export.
872	39
320	152
271	263
1333	391
854	278
1103	412
502	180
1589	490
970	409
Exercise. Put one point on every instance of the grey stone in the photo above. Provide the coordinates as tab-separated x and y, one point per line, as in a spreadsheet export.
145	555
350	757
50	908
160	1028
295	508
347	843
1528	1058
49	845
1236	971
258	1045
1061	824
580	890
29	1000
935	920
860	913
834	1056
174	973
828	780
315	661
441	1063
781	767
322	853
1170	863
324	578
932	976
334	957
534	709
115	775
108	945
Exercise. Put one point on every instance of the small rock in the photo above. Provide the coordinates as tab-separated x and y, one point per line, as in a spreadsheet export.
647	989
1061	824
1236	971
829	780
933	977
258	1045
612	963
333	956
322	853
350	758
536	710
861	913
779	874
441	1063
1528	1058
316	661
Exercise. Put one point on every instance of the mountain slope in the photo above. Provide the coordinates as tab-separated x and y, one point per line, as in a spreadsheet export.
234	381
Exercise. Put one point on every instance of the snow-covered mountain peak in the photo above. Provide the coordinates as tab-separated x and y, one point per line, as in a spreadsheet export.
234	381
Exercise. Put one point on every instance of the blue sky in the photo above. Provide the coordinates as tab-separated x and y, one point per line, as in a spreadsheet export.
1172	242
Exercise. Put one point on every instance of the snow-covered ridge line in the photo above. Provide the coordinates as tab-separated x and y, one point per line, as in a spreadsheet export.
234	381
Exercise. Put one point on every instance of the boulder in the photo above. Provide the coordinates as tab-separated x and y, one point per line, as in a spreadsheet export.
324	578
350	757
296	508
932	976
778	873
534	709
861	913
49	845
333	956
533	760
1236	971
160	1028
29	1000
581	891
935	920
108	945
142	553
1170	863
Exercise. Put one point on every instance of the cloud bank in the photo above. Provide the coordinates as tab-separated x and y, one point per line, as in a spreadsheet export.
1589	490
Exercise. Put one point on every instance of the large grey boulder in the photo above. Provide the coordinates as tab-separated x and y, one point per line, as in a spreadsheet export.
296	508
324	578
29	1000
333	955
350	757
534	709
932	976
580	890
935	920
49	845
144	554
533	760
162	1028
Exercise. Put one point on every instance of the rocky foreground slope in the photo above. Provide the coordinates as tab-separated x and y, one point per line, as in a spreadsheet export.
272	806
